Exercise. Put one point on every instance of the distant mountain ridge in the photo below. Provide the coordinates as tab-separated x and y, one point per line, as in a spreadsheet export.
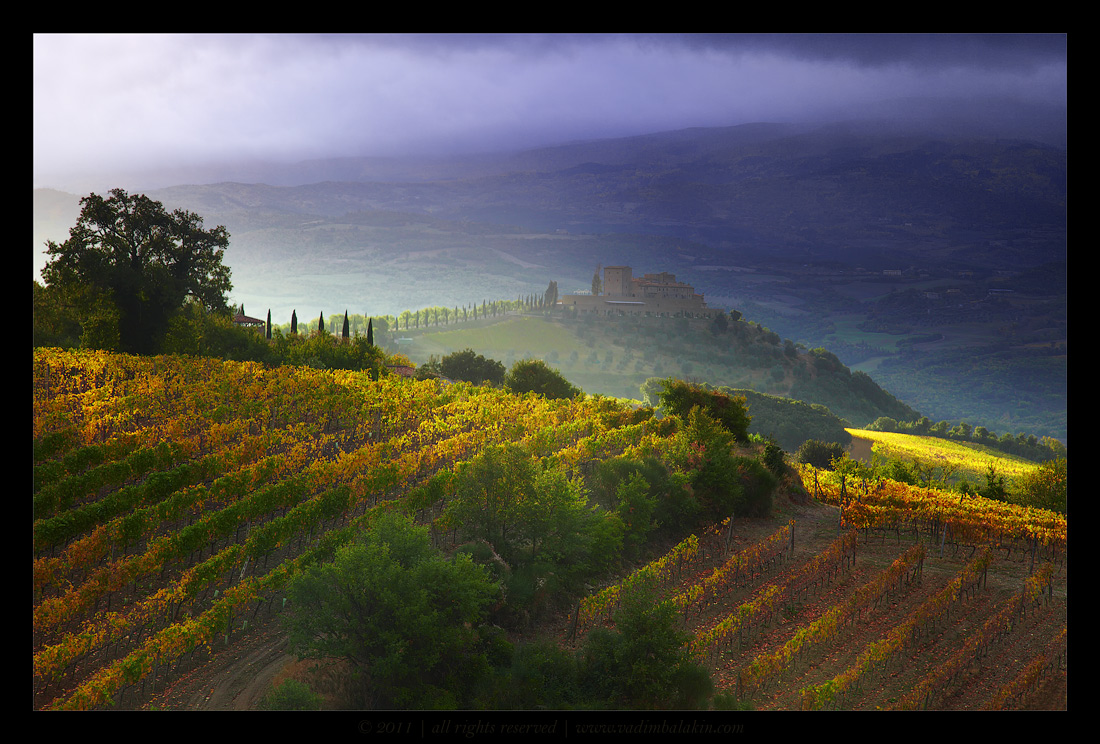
873	194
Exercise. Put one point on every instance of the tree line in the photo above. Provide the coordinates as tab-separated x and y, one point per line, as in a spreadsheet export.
136	278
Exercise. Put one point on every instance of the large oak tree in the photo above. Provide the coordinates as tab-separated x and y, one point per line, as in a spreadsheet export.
130	251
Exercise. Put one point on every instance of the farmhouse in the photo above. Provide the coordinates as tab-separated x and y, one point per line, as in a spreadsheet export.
652	294
240	319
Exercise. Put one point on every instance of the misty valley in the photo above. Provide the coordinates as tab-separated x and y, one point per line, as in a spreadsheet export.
936	265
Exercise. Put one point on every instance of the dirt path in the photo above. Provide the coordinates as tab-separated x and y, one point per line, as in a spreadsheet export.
860	449
235	680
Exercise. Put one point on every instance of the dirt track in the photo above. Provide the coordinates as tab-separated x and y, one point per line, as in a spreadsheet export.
860	449
236	680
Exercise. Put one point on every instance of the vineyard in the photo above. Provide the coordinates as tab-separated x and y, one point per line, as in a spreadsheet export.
175	498
900	599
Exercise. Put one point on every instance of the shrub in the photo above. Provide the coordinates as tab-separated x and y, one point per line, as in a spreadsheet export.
819	454
643	664
470	367
773	458
1045	487
291	695
757	485
542	674
679	397
534	376
884	423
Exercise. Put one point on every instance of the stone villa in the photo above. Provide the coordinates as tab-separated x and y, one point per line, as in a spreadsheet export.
652	294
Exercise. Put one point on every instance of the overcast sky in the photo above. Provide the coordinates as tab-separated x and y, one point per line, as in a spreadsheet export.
135	101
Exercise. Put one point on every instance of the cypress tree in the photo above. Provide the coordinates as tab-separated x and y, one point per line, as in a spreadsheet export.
294	322
370	332
344	330
321	323
269	324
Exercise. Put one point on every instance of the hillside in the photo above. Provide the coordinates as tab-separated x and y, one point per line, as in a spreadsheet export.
615	356
934	260
797	625
176	498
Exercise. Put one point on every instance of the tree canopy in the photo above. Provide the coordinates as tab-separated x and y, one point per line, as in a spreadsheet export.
409	620
679	397
128	253
537	520
534	375
1045	487
471	367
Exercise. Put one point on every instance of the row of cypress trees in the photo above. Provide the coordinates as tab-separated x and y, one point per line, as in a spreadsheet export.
345	332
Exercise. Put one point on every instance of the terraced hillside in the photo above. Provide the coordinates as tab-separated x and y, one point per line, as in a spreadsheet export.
818	614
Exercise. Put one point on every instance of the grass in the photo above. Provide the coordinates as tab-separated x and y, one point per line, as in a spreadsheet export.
517	337
973	460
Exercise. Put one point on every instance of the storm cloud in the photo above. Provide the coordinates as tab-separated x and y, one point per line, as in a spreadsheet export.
142	101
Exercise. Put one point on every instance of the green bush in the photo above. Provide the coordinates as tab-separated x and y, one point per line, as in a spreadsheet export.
534	376
679	397
643	664
884	423
773	458
422	644
729	701
470	367
291	695
819	454
1045	487
757	486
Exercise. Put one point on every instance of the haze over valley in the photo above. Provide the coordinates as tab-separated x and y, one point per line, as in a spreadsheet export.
921	239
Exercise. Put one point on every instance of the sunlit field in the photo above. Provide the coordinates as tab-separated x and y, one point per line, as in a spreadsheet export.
971	459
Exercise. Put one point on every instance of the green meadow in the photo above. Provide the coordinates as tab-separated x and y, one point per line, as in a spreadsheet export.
595	363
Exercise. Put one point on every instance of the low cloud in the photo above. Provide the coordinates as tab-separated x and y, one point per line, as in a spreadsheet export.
135	101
